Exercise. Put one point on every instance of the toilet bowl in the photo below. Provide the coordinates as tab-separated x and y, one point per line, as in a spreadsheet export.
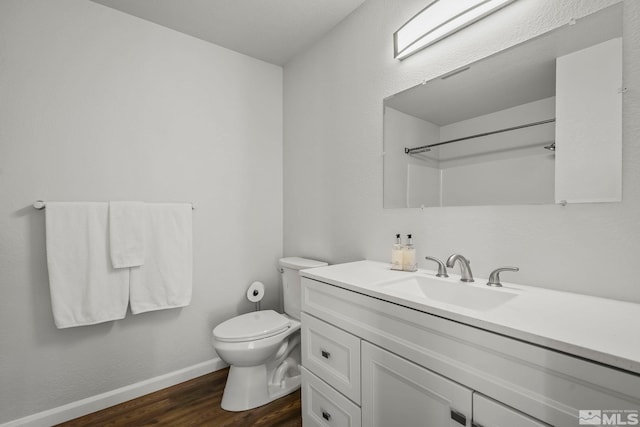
256	345
263	347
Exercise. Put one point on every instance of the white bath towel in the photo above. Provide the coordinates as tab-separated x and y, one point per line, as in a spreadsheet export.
85	288
126	233
165	279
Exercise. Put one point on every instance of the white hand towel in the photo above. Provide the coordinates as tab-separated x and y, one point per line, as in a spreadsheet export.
165	279
85	288
126	233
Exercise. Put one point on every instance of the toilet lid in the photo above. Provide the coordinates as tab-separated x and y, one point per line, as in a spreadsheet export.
251	326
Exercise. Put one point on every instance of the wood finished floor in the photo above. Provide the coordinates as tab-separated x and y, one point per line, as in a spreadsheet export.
193	403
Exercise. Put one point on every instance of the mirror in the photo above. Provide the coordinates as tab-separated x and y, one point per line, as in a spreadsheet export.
540	122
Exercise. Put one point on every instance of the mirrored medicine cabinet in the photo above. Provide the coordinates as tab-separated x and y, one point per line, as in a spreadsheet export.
537	123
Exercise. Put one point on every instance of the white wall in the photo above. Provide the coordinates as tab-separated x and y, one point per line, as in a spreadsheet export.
99	105
333	164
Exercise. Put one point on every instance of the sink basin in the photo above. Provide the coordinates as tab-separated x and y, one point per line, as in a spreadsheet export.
448	292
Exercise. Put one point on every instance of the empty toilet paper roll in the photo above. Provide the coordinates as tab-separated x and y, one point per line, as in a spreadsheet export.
255	293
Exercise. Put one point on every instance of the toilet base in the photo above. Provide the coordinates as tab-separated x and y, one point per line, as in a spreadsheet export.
249	387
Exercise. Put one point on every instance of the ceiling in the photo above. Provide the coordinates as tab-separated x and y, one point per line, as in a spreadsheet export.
271	30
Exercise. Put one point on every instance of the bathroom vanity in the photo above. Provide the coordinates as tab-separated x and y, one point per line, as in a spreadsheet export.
387	348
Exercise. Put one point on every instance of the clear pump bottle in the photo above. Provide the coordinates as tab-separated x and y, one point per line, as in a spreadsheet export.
396	254
409	256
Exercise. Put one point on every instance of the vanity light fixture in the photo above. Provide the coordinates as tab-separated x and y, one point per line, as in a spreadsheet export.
438	20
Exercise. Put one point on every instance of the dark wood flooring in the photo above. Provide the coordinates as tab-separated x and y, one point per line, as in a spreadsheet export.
193	403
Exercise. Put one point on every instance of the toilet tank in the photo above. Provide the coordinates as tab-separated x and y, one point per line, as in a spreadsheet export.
289	269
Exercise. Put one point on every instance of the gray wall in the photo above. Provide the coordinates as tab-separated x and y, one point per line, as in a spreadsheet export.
333	164
99	105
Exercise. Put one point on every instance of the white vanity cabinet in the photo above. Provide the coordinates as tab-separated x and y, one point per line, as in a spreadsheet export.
371	362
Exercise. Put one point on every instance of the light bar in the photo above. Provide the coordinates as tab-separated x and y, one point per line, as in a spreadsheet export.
438	20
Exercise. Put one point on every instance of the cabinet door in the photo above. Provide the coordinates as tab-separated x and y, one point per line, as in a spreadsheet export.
489	413
396	392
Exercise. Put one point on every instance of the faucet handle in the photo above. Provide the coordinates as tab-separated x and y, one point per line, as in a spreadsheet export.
442	270
494	277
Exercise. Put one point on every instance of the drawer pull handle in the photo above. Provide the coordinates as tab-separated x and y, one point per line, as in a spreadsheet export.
475	424
326	415
458	417
325	354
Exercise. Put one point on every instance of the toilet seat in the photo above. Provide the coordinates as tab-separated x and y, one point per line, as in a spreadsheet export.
251	326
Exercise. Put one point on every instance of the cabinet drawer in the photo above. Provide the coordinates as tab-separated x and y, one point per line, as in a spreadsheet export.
333	355
322	406
489	413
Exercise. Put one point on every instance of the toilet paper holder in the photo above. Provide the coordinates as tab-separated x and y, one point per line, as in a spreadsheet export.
255	293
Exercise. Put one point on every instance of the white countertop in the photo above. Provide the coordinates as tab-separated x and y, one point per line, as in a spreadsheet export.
598	329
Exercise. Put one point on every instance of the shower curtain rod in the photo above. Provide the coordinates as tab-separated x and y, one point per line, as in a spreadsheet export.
41	204
425	148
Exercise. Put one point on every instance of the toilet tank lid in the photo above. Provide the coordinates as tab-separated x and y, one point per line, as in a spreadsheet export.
298	263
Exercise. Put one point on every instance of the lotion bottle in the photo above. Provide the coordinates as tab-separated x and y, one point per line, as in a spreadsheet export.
396	254
409	256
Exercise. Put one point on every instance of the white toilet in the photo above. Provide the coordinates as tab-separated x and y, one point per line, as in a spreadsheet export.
263	347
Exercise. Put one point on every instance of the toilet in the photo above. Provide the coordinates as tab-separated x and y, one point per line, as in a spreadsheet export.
263	347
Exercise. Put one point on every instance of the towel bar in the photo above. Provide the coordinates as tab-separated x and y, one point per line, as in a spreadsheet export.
41	204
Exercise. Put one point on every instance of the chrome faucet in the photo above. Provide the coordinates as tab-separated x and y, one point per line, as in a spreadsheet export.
465	270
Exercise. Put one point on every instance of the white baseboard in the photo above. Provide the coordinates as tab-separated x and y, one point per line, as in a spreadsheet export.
101	401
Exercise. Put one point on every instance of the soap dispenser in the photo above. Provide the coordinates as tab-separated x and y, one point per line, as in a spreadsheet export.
396	254
409	256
